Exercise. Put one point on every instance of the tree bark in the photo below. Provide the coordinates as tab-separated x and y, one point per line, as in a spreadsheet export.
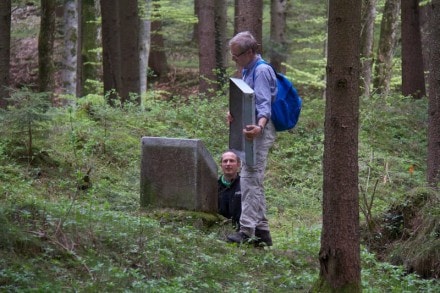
221	45
249	17
278	44
71	38
46	40
195	34
340	245
434	95
5	51
91	69
144	35
387	46
367	43
130	50
413	79
207	54
424	29
120	38
157	60
110	49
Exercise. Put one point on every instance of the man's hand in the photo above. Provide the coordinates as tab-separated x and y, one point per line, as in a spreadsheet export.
252	131
229	118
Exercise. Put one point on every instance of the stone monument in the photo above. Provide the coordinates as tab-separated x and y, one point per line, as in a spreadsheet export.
178	173
242	109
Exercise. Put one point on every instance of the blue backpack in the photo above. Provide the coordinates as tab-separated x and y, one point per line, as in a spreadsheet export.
287	106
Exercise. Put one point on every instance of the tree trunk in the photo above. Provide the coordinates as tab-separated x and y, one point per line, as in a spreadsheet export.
110	48
387	45
144	33
79	61
413	79
157	60
5	51
195	34
207	54
424	30
70	60
91	69
434	95
46	46
340	245
249	17
278	44
367	42
130	50
221	44
120	38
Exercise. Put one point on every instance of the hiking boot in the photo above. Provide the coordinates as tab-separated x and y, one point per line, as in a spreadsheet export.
263	238
238	237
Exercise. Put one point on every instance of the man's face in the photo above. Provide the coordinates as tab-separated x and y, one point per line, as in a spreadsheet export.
240	56
229	164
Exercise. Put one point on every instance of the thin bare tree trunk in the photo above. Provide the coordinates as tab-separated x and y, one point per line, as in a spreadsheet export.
413	76
111	52
130	49
46	40
387	46
71	37
144	33
195	34
90	34
221	45
367	42
5	51
157	60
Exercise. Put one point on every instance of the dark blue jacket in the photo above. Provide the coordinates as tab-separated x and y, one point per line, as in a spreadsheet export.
229	201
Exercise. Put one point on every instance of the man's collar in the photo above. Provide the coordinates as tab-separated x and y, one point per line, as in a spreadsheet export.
252	63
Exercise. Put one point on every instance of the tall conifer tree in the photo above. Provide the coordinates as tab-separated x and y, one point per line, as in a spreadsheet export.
434	95
340	244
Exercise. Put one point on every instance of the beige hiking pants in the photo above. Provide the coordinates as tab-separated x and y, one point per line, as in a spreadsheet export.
253	201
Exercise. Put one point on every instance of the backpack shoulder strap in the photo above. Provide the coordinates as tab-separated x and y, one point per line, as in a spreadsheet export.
262	61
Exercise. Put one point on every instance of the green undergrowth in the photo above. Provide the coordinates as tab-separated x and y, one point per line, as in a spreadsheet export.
70	218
